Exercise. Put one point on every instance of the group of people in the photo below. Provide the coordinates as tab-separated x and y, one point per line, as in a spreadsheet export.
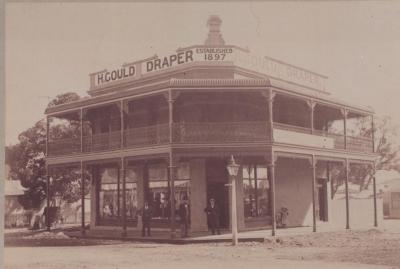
211	210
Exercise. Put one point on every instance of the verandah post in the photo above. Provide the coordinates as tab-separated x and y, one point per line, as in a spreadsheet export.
48	198
271	175
311	104
172	165
344	113
347	193
47	136
374	188
271	97
313	164
81	125
171	174
122	119
122	173
83	231
373	134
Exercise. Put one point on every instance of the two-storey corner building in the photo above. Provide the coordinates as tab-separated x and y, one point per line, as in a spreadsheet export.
164	128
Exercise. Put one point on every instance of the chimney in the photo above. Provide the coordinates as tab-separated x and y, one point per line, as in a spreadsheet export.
214	36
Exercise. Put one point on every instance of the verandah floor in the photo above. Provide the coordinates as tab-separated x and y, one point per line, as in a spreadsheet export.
203	237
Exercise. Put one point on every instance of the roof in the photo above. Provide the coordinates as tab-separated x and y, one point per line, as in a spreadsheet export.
163	72
13	187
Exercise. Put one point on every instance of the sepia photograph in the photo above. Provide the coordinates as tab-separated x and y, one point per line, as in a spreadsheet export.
189	134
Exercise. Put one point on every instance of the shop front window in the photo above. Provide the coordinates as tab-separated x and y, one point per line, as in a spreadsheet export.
108	194
256	191
159	191
182	184
131	193
158	195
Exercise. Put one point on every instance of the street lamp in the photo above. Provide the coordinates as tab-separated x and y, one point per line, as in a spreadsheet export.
233	169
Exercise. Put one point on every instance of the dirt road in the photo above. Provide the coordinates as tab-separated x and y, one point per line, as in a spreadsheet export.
345	249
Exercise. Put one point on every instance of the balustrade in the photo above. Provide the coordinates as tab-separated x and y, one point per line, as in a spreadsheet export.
358	144
102	141
64	146
196	132
294	128
148	135
361	144
219	132
338	139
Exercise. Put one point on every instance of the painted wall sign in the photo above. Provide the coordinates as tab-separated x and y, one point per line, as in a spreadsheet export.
279	70
239	57
169	61
114	75
213	54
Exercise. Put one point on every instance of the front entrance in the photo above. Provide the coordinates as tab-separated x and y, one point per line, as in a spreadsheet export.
217	178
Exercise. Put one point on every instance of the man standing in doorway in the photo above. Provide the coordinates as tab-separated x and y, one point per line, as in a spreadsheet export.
146	218
184	215
212	212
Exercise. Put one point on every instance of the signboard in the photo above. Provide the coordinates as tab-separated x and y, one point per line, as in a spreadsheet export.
114	75
239	57
168	61
280	70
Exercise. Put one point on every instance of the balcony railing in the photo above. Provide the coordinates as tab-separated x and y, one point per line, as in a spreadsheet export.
64	146
196	132
357	144
220	132
338	139
149	135
294	128
361	144
101	142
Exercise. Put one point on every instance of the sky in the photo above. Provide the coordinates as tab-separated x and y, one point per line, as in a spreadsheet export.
51	48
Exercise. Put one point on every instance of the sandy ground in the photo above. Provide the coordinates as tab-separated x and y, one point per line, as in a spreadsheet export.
345	249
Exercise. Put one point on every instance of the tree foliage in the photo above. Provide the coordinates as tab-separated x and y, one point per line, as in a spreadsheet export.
387	148
63	99
386	144
27	162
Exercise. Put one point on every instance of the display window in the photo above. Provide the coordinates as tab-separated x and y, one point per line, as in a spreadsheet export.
159	188
110	198
132	176
255	191
109	206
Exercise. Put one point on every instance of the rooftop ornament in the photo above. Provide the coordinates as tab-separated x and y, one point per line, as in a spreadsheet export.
214	35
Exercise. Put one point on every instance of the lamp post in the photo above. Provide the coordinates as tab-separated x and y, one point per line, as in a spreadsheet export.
233	170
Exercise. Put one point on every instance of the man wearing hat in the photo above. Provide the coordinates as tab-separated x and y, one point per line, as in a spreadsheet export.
212	212
146	214
184	216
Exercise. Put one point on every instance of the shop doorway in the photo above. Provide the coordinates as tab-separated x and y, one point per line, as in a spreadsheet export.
219	192
322	203
217	180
